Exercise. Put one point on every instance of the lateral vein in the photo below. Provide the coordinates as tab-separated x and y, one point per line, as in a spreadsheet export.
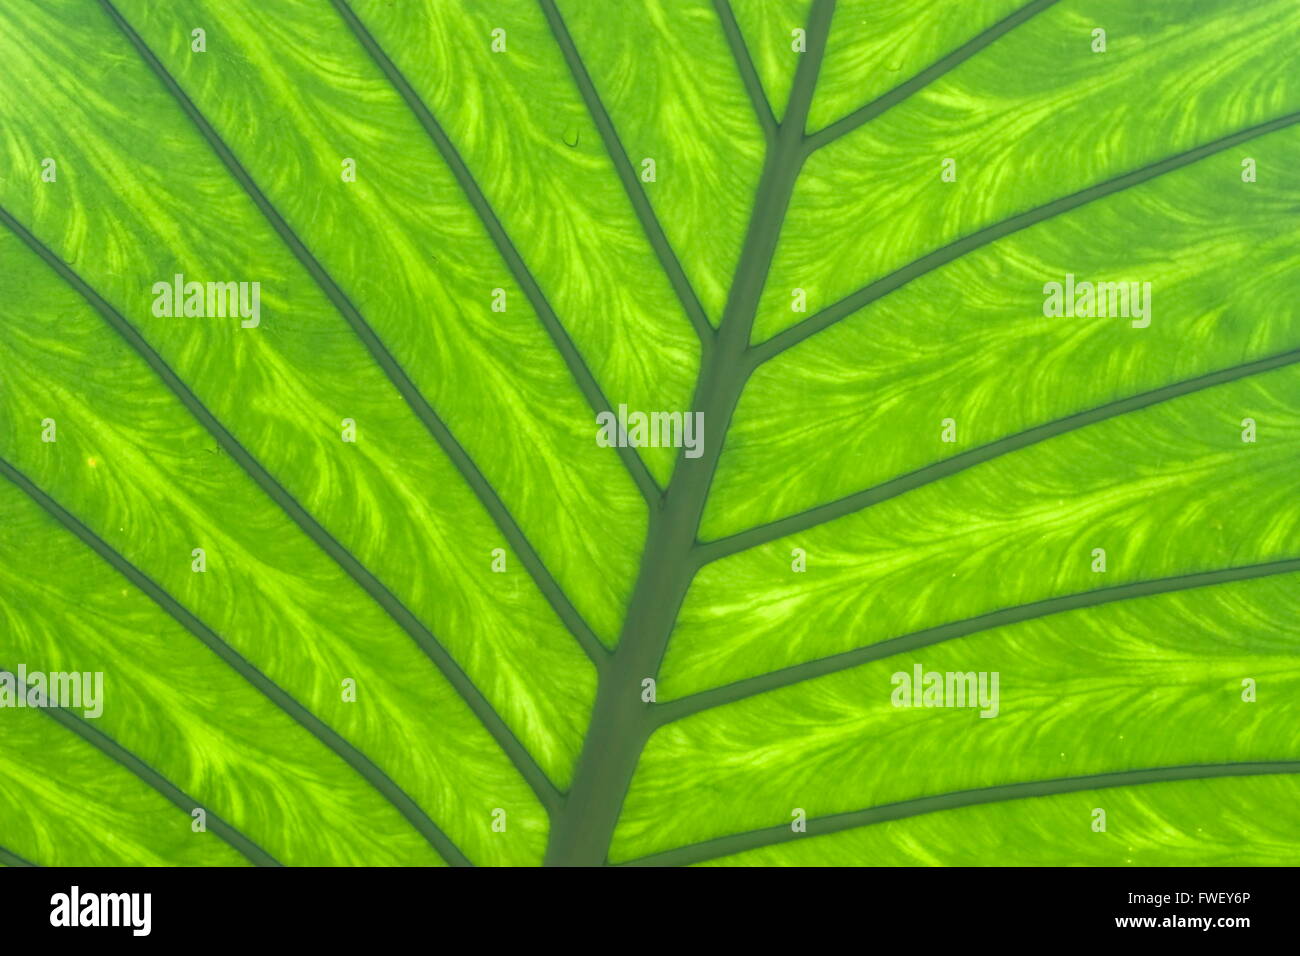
775	680
474	699
479	484
745	67
172	793
954	250
866	114
822	826
654	232
353	757
858	501
586	382
10	858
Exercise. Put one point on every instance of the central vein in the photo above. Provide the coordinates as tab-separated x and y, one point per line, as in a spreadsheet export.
621	722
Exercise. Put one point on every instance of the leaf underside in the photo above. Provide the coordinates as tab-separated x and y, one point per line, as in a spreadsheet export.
839	259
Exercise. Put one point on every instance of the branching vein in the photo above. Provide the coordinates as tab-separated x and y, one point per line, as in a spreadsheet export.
474	699
518	268
821	826
353	757
627	175
850	504
173	794
481	487
977	240
745	67
775	680
927	76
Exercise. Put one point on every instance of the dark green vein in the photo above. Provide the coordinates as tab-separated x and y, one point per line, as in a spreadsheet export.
774	680
927	76
350	755
822	826
519	269
954	250
620	721
414	398
745	67
119	754
9	858
627	175
811	517
458	679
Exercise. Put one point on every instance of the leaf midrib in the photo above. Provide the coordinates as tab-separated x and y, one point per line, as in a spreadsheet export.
621	722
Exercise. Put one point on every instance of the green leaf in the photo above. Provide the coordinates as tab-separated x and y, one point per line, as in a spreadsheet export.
365	587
